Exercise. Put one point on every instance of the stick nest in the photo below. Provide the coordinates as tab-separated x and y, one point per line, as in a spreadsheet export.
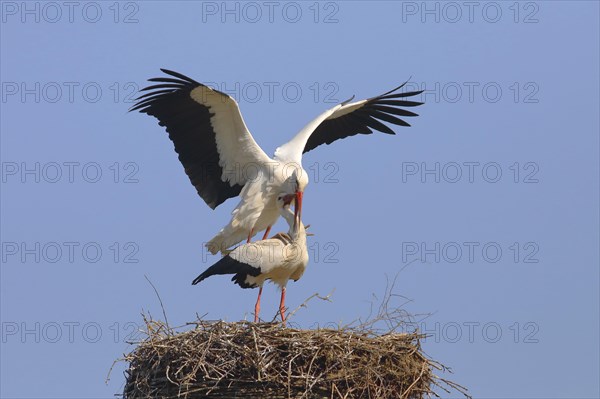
265	360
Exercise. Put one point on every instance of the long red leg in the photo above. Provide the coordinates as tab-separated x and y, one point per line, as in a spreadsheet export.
282	305
250	235
267	231
257	306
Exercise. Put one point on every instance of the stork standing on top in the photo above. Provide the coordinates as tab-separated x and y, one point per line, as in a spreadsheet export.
222	159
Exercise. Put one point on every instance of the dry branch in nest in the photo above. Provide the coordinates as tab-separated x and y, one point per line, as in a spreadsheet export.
265	360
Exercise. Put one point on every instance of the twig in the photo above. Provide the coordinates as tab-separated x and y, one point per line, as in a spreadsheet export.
159	300
315	295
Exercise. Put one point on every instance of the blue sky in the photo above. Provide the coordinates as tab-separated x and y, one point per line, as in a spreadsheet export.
486	209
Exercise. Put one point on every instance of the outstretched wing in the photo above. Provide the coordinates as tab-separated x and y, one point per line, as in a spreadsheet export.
209	134
352	118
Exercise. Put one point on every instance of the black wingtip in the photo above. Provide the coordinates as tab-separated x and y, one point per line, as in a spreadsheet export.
178	75
198	279
389	94
165	86
135	107
391	91
397	88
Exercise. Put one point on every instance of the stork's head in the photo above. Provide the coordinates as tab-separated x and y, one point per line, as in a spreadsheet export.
296	178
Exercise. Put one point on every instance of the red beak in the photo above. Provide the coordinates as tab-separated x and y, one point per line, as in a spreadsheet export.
298	209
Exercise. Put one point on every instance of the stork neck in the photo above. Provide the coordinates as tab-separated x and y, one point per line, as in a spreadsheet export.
288	215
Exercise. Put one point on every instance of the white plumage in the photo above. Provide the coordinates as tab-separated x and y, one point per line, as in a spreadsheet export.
279	259
222	159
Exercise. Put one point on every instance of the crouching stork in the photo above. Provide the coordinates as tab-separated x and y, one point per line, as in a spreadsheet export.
281	258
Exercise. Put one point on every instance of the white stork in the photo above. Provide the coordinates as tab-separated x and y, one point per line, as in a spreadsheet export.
222	159
279	259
